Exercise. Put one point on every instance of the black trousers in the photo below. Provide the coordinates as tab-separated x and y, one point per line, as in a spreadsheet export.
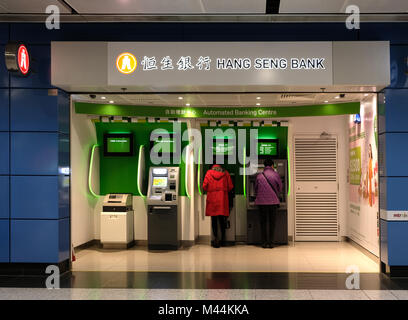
219	222
268	221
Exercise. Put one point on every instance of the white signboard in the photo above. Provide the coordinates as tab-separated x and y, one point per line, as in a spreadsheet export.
179	64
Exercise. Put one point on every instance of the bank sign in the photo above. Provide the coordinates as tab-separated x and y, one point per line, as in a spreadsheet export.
181	64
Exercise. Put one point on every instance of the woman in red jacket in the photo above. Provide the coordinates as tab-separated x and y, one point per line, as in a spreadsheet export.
217	183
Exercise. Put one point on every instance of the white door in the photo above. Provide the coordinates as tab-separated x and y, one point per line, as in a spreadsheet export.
316	188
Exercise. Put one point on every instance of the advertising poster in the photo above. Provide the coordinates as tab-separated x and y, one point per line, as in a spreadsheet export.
363	177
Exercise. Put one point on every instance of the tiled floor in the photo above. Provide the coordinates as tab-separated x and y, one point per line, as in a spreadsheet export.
198	294
299	257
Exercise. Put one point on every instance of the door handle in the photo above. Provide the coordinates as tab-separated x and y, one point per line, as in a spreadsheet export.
161	208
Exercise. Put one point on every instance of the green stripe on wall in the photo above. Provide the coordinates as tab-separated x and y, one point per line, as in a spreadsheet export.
217	112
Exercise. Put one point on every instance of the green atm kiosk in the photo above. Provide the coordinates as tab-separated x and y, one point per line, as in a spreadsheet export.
268	148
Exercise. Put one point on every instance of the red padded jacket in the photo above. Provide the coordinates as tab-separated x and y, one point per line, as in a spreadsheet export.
217	183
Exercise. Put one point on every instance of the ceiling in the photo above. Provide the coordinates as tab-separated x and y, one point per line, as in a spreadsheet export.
30	6
339	6
181	7
136	6
221	100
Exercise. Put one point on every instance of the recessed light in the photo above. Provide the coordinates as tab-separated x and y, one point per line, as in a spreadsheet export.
111	101
258	98
326	101
258	104
366	95
180	98
338	97
103	98
187	104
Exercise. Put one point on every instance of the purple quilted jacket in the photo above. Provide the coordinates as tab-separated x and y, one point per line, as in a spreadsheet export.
264	193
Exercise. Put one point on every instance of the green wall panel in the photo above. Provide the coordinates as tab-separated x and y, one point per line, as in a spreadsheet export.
119	174
280	133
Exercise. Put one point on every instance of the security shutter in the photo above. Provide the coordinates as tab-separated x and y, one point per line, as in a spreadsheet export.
316	188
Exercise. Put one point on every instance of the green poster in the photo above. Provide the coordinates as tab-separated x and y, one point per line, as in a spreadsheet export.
376	132
355	166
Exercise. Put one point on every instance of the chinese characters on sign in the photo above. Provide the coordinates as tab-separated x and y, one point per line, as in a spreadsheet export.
223	112
185	63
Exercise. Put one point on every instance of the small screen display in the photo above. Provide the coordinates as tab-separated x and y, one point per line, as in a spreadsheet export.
116	144
160	182
223	148
267	148
160	171
121	145
164	145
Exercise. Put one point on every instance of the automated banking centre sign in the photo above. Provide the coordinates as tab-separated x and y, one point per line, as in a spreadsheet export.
212	63
216	112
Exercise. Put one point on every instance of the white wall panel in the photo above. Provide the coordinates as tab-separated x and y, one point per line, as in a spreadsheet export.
83	136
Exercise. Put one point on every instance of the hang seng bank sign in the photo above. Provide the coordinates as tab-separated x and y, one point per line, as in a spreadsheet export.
181	64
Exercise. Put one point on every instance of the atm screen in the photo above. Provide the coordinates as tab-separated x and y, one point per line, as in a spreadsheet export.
223	147
164	145
160	182
116	144
267	148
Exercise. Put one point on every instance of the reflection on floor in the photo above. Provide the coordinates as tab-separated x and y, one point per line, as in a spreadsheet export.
298	257
193	294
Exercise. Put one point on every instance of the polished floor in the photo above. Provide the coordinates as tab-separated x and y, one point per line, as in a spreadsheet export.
301	257
197	294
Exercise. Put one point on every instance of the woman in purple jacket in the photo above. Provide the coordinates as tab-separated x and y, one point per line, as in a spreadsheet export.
268	186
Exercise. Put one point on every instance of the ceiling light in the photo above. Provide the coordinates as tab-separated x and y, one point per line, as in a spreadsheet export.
103	98
326	101
338	97
111	101
180	98
187	104
366	95
258	98
258	104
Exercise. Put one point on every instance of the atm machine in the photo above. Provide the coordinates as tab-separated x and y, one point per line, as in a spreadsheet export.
253	216
230	232
163	208
117	221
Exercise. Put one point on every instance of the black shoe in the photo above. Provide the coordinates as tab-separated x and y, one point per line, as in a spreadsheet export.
216	244
264	245
270	245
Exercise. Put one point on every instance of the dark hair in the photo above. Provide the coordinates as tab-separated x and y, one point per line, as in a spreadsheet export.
268	162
